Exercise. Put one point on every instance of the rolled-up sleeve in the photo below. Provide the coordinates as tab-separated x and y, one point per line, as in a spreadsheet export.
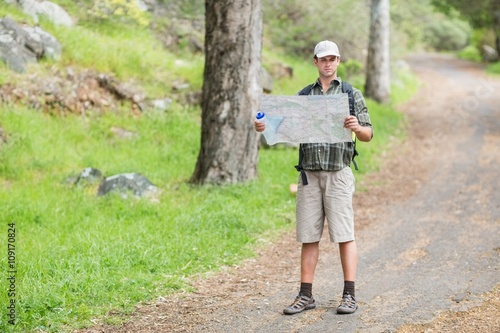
361	109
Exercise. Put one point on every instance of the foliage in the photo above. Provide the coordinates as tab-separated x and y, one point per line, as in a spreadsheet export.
185	8
407	19
494	68
447	35
14	12
120	10
352	68
477	12
293	25
480	14
471	53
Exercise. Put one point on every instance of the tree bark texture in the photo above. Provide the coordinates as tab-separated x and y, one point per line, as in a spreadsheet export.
231	92
378	62
495	11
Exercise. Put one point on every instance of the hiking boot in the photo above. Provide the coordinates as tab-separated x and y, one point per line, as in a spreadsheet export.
300	304
348	305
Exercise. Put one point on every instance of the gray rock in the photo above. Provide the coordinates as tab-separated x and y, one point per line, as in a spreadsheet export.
142	5
162	104
22	45
16	48
89	176
14	55
489	53
49	44
266	80
127	183
53	12
123	133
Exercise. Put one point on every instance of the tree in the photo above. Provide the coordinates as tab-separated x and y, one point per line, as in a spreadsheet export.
377	84
480	13
230	93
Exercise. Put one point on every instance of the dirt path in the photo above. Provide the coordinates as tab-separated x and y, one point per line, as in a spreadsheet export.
428	230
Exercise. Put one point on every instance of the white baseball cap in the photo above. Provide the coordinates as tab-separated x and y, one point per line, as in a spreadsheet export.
326	48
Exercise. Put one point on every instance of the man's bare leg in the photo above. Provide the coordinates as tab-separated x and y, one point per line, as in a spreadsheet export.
349	260
308	261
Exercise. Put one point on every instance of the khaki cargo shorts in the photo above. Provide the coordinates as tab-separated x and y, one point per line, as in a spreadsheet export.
328	194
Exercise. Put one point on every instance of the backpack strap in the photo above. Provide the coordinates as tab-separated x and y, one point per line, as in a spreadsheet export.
347	88
306	90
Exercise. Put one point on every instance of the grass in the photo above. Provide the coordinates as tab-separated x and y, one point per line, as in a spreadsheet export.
494	68
112	48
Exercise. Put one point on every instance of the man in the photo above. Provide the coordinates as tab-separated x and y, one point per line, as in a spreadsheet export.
329	189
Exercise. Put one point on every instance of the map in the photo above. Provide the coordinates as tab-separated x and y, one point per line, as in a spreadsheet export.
306	119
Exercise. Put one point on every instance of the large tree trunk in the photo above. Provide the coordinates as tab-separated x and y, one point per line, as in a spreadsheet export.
231	92
495	12
378	63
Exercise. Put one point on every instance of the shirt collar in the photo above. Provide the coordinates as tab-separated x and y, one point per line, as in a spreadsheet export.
336	82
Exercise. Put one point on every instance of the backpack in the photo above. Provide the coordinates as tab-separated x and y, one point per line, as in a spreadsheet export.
346	88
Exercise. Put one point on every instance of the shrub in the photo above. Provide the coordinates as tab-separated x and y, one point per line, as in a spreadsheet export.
471	53
447	35
119	9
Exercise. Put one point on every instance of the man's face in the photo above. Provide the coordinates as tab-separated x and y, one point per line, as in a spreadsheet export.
327	66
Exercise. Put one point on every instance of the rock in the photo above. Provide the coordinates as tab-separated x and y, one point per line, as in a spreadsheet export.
121	90
53	12
459	297
123	133
147	5
50	46
279	70
162	104
125	183
89	176
66	91
16	50
187	32
142	5
15	56
21	44
489	54
180	86
266	80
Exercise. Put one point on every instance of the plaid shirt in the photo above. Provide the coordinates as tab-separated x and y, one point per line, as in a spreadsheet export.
336	156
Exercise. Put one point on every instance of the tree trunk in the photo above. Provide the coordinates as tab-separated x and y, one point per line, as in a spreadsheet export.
378	67
495	11
231	92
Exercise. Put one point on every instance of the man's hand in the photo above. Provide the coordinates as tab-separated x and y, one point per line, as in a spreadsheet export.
259	126
352	123
363	133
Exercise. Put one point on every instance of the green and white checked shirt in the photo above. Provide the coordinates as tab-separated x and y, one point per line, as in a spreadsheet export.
336	156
